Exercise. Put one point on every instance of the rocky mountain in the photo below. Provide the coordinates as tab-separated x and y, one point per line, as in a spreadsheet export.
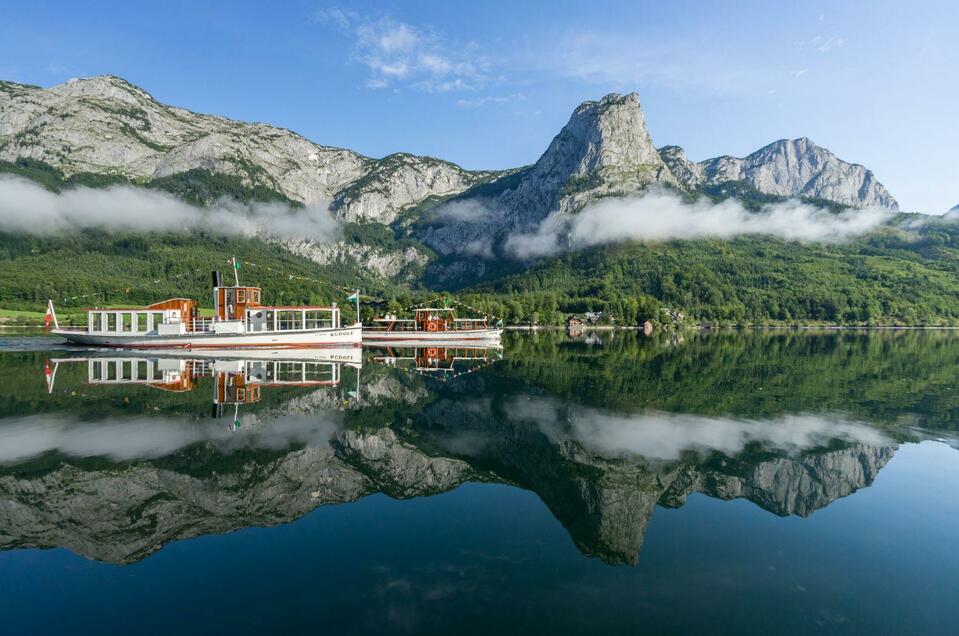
787	168
604	150
105	125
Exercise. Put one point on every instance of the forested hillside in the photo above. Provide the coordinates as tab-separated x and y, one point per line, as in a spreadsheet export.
894	277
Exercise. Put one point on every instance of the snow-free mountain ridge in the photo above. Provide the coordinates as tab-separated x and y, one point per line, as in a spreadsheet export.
107	126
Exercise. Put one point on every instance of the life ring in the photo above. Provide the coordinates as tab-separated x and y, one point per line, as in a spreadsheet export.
431	326
432	353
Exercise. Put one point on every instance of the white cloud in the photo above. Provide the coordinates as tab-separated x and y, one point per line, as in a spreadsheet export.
399	54
27	207
824	45
465	211
490	99
662	216
623	61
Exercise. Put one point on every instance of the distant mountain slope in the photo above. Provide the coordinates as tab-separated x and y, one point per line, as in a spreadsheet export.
409	221
788	167
105	125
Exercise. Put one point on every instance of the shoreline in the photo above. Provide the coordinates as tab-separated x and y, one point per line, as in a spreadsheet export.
744	328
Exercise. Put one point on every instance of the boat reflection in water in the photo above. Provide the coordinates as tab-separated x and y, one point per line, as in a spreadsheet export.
238	375
441	360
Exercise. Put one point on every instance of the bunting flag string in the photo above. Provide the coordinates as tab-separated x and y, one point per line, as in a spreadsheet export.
447	299
446	377
352	290
126	289
289	276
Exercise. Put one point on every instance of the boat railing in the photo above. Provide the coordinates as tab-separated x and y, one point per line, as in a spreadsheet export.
201	325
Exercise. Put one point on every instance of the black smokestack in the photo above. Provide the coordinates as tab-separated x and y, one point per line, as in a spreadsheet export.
217	279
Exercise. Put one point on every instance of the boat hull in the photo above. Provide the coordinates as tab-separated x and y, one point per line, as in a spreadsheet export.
346	336
417	337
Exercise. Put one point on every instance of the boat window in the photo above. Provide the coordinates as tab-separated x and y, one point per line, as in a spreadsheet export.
96	323
318	320
111	322
256	296
141	322
241	295
288	320
127	321
157	319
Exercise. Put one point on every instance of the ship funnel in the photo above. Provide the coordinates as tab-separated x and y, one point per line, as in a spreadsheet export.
217	279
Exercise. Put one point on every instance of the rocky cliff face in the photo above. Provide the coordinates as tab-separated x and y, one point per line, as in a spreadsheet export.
787	168
604	150
106	125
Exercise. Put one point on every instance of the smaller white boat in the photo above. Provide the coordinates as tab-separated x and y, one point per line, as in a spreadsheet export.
239	321
430	324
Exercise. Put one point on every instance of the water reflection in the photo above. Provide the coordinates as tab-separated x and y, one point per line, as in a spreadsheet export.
93	457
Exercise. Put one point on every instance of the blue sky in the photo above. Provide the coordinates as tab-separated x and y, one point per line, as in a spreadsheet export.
488	84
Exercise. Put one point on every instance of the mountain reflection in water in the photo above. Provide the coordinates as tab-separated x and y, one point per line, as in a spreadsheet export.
114	456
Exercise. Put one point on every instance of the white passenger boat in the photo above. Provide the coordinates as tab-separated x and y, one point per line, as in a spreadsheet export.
431	324
239	321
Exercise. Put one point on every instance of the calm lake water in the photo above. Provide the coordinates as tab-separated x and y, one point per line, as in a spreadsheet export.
784	482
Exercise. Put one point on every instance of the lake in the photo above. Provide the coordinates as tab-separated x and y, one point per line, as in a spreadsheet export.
782	482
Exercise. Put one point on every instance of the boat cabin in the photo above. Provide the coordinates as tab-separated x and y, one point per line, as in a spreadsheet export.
432	320
167	317
231	303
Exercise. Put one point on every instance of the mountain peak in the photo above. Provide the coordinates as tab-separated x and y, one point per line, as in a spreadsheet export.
103	87
605	145
788	168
